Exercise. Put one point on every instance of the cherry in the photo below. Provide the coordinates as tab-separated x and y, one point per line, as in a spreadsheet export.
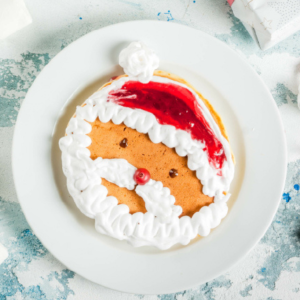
141	176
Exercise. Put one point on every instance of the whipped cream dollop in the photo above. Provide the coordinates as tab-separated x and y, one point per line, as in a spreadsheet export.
161	225
138	61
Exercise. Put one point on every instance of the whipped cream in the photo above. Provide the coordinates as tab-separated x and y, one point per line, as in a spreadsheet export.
161	225
159	201
138	61
118	171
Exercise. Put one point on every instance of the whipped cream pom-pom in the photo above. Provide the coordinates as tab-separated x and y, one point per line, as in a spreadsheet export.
139	61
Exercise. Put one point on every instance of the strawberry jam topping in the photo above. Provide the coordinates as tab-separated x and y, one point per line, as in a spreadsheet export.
174	105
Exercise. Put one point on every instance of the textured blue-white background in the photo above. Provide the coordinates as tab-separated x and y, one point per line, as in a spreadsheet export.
270	271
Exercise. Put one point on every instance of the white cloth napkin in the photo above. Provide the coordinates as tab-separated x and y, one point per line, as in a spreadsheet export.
268	21
13	16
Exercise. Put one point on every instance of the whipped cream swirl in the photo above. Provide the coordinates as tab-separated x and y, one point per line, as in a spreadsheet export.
138	61
160	226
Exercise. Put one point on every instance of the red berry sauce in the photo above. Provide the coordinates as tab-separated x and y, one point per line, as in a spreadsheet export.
175	105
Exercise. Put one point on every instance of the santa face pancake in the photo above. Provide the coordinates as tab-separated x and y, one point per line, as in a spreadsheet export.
147	157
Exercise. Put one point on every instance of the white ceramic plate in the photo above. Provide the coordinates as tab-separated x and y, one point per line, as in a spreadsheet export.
254	128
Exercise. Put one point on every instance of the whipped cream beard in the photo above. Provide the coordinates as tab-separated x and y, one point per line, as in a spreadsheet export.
160	226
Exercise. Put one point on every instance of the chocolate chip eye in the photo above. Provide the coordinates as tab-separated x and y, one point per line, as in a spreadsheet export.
124	143
173	173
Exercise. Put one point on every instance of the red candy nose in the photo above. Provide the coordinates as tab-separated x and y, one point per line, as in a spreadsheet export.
141	176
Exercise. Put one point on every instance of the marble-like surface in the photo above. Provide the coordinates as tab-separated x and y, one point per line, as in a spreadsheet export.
270	271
